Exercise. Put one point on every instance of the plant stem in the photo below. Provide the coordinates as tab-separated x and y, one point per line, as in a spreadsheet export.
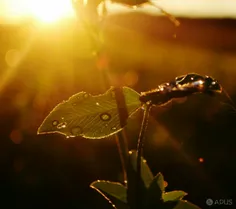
123	151
121	137
121	106
141	138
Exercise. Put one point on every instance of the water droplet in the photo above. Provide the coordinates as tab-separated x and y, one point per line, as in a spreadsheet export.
62	125
97	103
125	181
76	131
67	137
105	116
86	95
62	118
130	152
55	123
113	128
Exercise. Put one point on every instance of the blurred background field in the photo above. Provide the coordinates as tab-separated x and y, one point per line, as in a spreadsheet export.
191	143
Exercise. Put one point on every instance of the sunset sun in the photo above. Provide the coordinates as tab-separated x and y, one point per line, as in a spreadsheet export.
43	10
49	11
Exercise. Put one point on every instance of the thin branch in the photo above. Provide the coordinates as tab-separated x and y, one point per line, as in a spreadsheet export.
147	108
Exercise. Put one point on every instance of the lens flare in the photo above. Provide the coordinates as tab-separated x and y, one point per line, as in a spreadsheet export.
43	10
50	11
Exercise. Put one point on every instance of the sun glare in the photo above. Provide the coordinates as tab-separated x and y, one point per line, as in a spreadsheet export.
43	10
49	11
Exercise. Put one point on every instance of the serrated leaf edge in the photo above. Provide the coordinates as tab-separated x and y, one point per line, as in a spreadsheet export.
94	96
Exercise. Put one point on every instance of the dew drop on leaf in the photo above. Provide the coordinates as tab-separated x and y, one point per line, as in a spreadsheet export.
105	116
55	123
92	117
62	125
76	131
86	95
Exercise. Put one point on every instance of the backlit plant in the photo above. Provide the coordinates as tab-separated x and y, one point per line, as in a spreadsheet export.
101	116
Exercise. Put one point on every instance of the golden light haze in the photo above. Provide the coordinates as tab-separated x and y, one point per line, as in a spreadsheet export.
53	10
43	10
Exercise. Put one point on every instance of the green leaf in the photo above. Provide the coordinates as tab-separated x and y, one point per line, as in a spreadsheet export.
183	204
159	181
114	189
155	190
173	195
146	173
89	116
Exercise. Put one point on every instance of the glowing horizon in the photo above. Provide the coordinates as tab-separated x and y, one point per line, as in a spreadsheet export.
188	8
54	10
